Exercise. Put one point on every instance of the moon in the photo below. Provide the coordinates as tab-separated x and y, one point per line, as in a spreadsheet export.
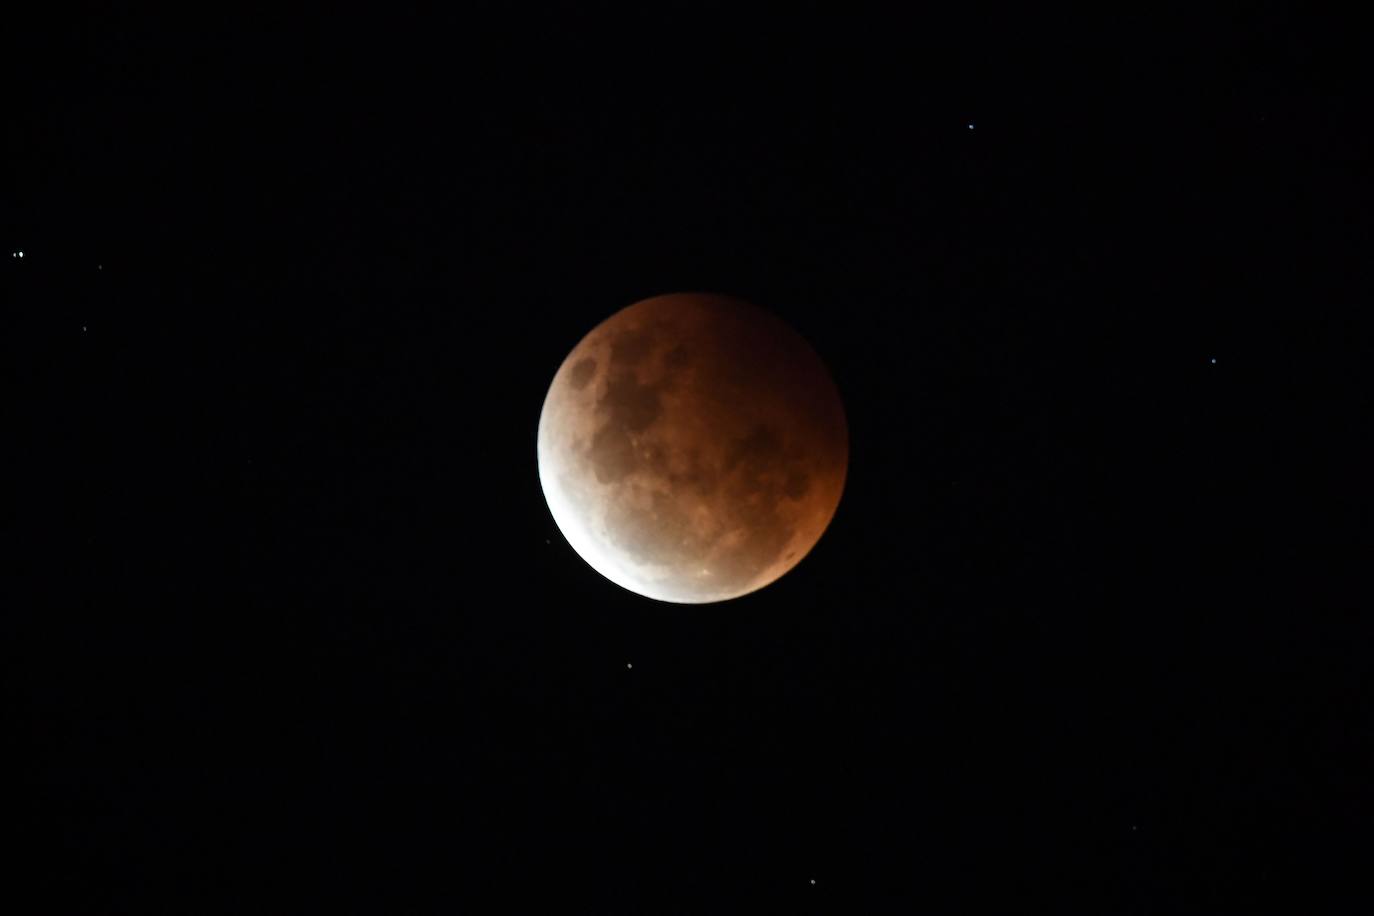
692	448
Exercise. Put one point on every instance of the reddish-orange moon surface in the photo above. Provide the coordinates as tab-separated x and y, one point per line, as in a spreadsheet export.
692	448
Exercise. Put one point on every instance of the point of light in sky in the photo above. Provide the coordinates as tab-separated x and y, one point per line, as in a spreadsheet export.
1214	360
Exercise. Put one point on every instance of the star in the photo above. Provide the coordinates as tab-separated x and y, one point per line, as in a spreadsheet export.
83	327
1214	360
629	664
813	880
17	254
970	125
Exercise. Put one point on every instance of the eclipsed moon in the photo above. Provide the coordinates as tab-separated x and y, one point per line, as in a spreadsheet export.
692	448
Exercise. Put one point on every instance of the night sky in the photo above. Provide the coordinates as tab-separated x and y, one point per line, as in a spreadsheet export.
288	623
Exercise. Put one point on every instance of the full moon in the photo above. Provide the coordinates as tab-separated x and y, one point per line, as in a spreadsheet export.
692	448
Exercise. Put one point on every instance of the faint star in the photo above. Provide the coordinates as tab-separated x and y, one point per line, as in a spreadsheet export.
970	127
1134	828
83	327
813	880
629	664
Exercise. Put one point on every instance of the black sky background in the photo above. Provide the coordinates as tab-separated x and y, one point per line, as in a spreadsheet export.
291	624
